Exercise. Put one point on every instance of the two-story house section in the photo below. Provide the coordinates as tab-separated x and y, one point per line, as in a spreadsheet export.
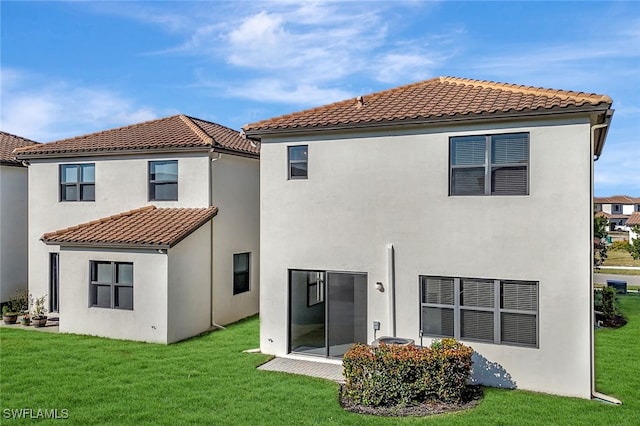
423	212
146	232
617	209
13	217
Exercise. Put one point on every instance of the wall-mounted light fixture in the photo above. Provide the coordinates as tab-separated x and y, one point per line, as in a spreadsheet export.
379	287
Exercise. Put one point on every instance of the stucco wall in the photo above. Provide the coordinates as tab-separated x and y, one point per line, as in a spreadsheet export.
189	285
13	231
148	319
236	229
121	185
366	192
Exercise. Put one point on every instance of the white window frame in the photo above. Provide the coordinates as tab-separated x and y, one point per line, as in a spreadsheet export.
497	309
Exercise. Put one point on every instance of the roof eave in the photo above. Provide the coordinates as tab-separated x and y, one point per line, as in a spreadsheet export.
110	152
94	244
238	153
258	134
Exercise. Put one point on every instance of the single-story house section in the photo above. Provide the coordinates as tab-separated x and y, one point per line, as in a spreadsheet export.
157	260
421	212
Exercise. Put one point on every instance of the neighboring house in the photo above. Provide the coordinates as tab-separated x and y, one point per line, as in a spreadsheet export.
634	220
147	232
13	217
617	209
421	211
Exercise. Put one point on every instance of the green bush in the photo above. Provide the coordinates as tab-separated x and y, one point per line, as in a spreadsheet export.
621	245
391	375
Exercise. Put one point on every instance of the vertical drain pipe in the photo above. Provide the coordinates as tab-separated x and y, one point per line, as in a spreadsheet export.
595	394
391	279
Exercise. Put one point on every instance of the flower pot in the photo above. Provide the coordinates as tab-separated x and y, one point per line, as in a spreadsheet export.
39	321
10	318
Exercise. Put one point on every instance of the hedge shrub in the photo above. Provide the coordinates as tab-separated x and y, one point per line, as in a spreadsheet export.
391	375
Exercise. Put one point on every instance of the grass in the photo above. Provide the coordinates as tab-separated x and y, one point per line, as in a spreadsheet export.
209	380
620	258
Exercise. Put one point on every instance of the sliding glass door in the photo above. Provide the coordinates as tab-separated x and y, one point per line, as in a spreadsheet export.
327	312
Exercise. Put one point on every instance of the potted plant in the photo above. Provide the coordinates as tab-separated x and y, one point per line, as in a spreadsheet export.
38	311
16	304
26	319
8	315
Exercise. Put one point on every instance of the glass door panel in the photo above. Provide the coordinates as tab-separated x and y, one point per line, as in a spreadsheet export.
307	312
347	311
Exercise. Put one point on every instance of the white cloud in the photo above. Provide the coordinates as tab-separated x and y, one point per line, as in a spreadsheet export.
45	110
276	90
301	52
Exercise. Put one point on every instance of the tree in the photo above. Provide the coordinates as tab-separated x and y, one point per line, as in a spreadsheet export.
634	246
600	225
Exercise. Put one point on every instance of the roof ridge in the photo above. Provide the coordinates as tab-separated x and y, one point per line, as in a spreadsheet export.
101	220
196	129
563	94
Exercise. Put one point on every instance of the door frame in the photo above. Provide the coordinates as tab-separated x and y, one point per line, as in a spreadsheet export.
325	293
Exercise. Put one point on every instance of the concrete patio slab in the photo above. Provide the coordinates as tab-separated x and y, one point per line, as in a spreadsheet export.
323	370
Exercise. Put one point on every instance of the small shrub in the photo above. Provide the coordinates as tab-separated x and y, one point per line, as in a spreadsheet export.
609	308
620	245
391	375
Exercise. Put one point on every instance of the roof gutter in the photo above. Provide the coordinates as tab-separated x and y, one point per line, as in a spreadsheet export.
599	146
105	153
107	245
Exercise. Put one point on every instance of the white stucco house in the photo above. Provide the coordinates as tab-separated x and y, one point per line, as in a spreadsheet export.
618	209
423	212
13	217
147	232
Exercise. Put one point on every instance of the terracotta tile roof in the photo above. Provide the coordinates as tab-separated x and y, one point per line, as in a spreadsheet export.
634	219
148	226
178	131
617	199
8	143
431	100
603	213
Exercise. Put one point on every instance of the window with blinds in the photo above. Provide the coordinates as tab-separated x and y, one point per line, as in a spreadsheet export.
489	165
484	310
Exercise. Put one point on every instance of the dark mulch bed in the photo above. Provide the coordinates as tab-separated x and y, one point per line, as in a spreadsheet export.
615	322
425	409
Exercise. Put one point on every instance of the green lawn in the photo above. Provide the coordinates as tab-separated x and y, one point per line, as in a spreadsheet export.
620	258
208	380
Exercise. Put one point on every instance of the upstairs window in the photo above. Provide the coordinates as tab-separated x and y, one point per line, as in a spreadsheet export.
240	273
78	182
617	208
489	165
298	160
163	180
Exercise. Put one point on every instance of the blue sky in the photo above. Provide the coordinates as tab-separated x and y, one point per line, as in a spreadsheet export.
69	68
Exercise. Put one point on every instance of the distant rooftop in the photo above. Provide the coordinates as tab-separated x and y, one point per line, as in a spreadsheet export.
175	132
8	143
